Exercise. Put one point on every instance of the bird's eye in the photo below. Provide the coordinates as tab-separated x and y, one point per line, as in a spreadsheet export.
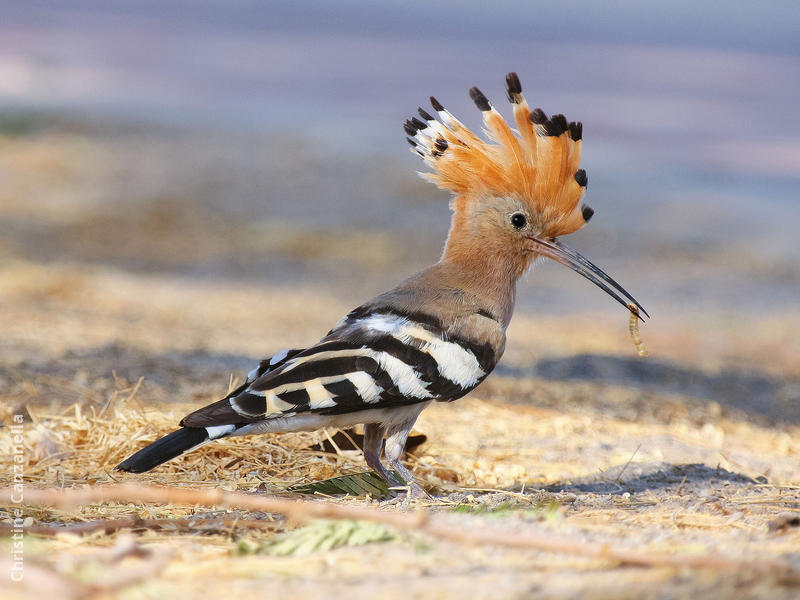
518	220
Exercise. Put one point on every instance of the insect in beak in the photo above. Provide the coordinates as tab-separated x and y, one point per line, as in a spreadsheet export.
563	254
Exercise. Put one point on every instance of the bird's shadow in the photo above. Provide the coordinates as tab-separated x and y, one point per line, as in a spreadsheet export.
758	395
640	477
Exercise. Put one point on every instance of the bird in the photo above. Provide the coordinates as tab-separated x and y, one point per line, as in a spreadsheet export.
438	334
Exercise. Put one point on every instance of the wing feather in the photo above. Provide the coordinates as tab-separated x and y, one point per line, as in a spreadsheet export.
374	358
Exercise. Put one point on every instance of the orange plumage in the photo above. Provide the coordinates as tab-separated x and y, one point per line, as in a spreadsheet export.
536	163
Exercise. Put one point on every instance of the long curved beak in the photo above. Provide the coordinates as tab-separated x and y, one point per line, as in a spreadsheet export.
563	254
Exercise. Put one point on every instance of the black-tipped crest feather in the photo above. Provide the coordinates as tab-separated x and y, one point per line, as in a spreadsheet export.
424	114
538	116
556	125
513	88
479	99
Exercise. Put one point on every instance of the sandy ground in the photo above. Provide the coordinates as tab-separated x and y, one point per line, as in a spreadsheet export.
152	311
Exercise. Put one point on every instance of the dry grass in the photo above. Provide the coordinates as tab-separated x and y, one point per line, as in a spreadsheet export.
500	476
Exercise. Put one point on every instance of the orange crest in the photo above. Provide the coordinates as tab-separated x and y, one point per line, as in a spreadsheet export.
536	163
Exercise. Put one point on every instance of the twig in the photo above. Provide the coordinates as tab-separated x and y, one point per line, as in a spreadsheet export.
47	583
197	524
627	463
436	525
518	495
233	463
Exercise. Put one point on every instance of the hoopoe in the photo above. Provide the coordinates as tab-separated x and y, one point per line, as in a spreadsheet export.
438	334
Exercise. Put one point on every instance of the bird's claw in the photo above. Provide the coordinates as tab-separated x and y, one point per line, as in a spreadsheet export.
407	493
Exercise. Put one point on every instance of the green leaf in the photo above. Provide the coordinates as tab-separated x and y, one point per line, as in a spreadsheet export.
321	536
357	484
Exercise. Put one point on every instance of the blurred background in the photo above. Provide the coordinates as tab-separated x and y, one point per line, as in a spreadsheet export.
206	181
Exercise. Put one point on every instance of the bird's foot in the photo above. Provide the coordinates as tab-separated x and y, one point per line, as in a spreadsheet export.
407	493
416	492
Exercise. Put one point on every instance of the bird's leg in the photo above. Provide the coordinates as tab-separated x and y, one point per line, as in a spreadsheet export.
395	445
373	444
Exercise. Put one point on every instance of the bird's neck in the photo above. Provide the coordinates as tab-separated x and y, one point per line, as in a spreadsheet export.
486	270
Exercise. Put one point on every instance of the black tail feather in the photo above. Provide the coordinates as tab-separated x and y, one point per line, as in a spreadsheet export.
164	449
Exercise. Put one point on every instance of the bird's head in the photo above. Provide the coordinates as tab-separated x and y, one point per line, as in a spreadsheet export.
515	194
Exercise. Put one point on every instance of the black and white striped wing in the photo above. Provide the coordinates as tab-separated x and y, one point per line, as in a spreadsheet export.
272	363
265	366
378	360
